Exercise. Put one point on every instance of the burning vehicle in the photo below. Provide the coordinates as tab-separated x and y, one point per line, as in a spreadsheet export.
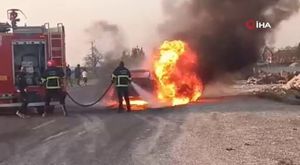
171	80
144	79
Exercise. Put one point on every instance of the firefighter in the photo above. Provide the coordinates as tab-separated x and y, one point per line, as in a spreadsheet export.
52	80
21	85
122	78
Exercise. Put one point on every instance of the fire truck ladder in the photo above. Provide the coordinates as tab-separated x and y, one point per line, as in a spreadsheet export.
57	44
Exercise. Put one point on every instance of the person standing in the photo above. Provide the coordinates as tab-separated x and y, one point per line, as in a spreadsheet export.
78	74
84	77
53	81
21	86
68	76
121	77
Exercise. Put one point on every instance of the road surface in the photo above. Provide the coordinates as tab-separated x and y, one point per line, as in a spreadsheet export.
236	130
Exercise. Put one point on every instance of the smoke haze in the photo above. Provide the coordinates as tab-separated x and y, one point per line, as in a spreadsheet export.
215	30
108	37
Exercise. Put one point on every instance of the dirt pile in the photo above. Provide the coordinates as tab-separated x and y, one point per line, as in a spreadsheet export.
270	78
294	83
289	92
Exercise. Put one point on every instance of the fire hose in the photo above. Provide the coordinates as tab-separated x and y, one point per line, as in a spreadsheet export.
93	103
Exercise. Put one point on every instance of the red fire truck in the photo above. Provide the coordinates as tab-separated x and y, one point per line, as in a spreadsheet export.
29	47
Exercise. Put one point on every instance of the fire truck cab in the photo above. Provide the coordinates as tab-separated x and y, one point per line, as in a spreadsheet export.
29	47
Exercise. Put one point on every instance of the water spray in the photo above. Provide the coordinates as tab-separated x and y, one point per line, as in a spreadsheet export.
147	96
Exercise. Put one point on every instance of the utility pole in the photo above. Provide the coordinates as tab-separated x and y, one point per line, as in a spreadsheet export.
92	48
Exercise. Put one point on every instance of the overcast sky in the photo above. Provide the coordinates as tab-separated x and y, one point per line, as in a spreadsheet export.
137	18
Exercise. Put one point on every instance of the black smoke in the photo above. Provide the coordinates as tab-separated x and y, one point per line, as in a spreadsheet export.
215	30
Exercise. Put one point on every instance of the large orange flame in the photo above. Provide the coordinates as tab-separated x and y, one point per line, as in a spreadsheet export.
174	69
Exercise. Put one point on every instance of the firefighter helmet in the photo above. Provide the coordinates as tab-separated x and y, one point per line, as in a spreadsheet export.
51	63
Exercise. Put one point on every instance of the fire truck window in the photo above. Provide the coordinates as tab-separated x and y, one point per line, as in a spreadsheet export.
32	58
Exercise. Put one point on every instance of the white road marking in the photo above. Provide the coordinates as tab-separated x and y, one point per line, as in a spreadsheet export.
43	124
55	136
81	133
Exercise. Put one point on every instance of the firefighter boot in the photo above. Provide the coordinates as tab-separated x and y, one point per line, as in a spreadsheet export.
128	108
64	110
45	111
128	104
121	108
21	115
44	114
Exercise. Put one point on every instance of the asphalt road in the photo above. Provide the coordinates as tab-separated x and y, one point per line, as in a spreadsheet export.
235	130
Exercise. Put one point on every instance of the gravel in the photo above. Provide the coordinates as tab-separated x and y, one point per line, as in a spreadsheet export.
241	137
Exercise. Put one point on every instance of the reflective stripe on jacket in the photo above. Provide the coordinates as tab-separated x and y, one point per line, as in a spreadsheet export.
53	82
121	76
121	80
52	78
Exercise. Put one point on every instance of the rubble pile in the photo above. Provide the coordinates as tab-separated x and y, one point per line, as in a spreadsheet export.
289	92
294	83
270	78
269	91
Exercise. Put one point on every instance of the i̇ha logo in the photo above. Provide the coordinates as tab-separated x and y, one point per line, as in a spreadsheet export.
251	24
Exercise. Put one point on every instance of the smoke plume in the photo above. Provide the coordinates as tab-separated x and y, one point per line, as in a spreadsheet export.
109	39
216	32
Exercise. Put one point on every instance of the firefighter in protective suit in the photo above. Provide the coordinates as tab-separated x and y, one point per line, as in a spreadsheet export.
122	78
53	80
21	85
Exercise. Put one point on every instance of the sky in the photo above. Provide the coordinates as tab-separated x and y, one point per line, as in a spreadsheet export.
138	19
